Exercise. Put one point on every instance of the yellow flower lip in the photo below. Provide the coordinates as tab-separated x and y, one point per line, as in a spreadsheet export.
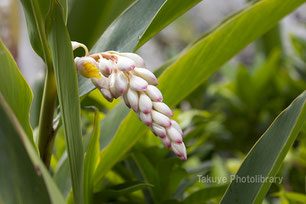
90	70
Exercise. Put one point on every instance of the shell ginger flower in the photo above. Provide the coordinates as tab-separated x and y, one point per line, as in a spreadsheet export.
124	74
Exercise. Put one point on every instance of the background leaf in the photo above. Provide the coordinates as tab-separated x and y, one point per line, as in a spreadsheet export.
66	82
89	19
23	177
196	65
267	155
15	90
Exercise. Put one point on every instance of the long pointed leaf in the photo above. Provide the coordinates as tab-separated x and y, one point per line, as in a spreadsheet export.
267	155
67	88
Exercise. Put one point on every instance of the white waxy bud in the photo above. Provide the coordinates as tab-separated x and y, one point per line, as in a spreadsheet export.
138	83
107	94
165	141
126	101
132	97
121	82
76	45
145	118
154	93
174	135
139	62
160	119
162	108
145	103
106	66
159	130
125	64
146	75
112	85
177	127
179	150
87	67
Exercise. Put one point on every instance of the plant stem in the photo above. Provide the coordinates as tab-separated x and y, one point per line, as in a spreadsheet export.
46	131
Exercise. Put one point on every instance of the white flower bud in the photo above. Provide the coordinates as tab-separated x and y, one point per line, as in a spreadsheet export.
125	64
146	74
154	93
138	83
145	103
112	85
177	127
159	130
126	101
106	66
87	67
121	82
174	135
179	150
107	94
162	108
139	62
160	119
165	141
132	97
145	118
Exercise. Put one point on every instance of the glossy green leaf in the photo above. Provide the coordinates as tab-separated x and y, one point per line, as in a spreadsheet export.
198	63
67	89
23	177
15	90
205	194
267	154
62	176
170	11
119	190
89	19
92	158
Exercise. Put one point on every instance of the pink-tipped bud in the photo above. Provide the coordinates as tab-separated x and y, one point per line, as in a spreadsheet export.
121	83
139	62
163	108
154	93
177	127
112	85
145	103
138	83
125	64
126	101
160	119
132	97
174	135
179	150
165	141
107	94
101	83
145	118
146	75
159	130
106	66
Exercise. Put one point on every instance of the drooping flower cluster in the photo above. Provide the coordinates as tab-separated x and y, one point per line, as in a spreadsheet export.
124	74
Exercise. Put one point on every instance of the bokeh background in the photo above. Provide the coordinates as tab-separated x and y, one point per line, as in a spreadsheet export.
225	116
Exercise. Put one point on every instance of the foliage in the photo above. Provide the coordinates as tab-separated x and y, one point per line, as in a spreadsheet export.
90	151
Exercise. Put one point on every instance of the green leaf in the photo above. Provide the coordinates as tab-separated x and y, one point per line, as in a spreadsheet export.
111	122
267	154
15	90
170	11
67	89
205	194
32	24
92	158
198	63
89	19
23	177
119	190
